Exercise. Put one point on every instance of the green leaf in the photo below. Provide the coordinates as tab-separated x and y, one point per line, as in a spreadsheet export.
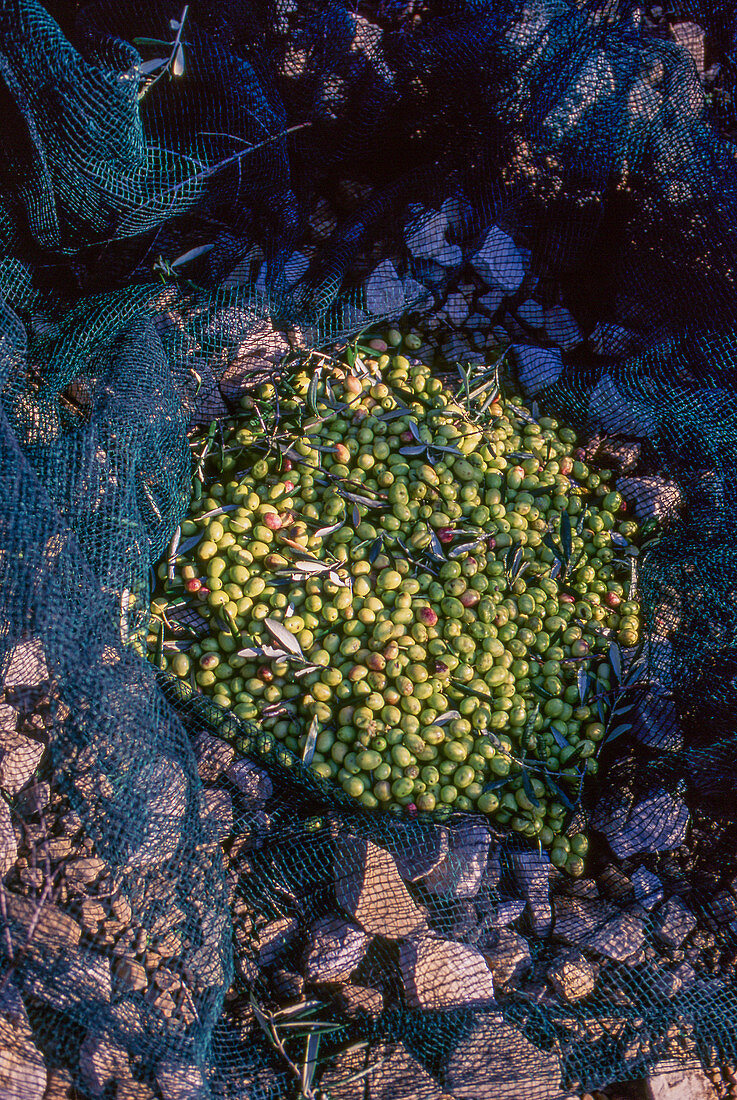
150	42
553	547
559	792
472	691
615	659
583	684
566	536
148	67
624	728
375	549
311	740
559	738
312	393
528	789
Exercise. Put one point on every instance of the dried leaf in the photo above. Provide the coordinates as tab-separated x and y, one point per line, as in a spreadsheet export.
148	67
177	67
464	548
323	531
446	716
287	639
312	392
193	253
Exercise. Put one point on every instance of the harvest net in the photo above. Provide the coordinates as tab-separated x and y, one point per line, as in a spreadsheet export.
185	196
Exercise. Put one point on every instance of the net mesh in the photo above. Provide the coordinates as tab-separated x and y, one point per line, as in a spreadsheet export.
184	909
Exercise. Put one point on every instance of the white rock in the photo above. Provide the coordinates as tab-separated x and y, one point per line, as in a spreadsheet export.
416	294
532	875
561	328
161	790
425	237
336	948
684	1083
691	38
537	368
22	1068
19	758
674	922
644	103
456	209
181	1081
657	822
295	267
217	812
650	496
253	782
260	284
648	888
439	974
449	256
461	872
456	309
607	339
102	1061
383	290
213	756
498	261
492	299
509	956
593	82
8	843
572	977
26	666
79	977
616	413
496	1061
531	313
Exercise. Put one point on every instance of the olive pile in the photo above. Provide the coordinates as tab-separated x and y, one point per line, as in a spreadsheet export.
416	591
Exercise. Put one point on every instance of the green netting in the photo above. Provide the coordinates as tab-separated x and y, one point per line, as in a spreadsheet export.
316	168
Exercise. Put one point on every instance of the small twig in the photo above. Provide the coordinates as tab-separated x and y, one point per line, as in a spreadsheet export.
174	51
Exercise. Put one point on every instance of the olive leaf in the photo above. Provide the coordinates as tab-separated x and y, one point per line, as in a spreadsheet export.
496	784
410	452
446	716
323	531
617	732
309	750
287	639
618	540
527	784
558	792
615	659
435	547
152	65
356	516
415	431
312	393
357	499
375	549
583	684
566	536
464	548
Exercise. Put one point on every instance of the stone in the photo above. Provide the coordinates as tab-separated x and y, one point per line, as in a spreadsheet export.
336	947
532	875
213	757
461	872
101	1061
648	888
617	413
578	918
537	368
26	666
217	813
673	922
59	1085
651	497
22	1067
383	290
561	328
252	782
456	309
274	938
261	350
295	267
506	913
336	1080
723	907
531	313
133	1090
492	300
657	822
359	1000
130	974
53	929
19	758
83	872
499	262
655	722
440	974
287	985
689	1082
425	237
416	294
572	977
691	38
509	957
610	340
398	1074
422	852
76	979
181	1081
495	1061
8	842
161	793
369	887
619	939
